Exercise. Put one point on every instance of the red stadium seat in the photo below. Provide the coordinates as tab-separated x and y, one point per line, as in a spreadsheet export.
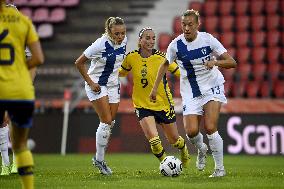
241	7
258	54
278	89
244	70
273	38
252	88
211	23
164	40
196	5
265	89
258	71
36	3
27	11
57	15
40	15
243	54
53	3
226	23
45	31
225	7
20	3
70	3
238	89
242	39
258	38
257	22
272	22
210	8
271	7
177	25
256	7
242	23
274	69
281	7
273	54
282	38
227	39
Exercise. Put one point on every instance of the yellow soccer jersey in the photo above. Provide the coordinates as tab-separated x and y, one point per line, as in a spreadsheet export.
16	31
144	72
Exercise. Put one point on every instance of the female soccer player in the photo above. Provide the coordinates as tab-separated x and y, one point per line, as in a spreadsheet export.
201	85
17	91
144	64
102	82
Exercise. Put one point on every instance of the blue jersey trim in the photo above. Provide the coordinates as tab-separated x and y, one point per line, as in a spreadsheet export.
110	55
185	57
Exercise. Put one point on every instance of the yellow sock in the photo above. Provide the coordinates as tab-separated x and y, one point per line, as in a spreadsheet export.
157	148
180	144
25	163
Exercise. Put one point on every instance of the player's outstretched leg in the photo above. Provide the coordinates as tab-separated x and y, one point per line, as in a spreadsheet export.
184	155
157	148
102	166
202	148
216	146
4	138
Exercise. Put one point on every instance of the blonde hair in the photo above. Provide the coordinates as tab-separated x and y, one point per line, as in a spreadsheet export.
109	24
192	12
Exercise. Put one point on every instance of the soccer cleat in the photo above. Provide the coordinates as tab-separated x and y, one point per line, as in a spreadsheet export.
218	173
14	169
102	166
5	170
201	158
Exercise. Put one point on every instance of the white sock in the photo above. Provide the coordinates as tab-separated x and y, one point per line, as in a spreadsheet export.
102	136
197	141
4	138
216	146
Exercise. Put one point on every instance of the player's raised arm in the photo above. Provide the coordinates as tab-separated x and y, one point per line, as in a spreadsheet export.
162	70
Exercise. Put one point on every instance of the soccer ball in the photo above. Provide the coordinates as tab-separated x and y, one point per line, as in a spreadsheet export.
171	166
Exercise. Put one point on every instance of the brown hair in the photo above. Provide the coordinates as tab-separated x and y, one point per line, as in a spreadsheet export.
192	12
110	22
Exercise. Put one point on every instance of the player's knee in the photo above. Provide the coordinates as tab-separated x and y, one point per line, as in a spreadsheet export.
210	129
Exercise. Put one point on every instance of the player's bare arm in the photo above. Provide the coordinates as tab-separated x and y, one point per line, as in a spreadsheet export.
225	61
80	65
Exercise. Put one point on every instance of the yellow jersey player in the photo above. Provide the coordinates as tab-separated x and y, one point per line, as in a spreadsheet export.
17	91
144	64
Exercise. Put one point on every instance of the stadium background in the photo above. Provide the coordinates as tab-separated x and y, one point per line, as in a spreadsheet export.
252	31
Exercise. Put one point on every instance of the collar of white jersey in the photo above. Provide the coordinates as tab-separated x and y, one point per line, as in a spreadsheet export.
123	43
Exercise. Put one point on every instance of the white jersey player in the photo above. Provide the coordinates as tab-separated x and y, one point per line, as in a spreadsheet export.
199	55
102	82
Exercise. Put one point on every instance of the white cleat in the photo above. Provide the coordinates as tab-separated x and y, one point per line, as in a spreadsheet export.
218	173
201	158
102	166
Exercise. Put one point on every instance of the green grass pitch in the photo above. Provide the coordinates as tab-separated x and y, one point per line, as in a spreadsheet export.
142	171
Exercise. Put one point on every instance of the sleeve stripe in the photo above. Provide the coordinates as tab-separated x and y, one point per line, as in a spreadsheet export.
125	68
175	69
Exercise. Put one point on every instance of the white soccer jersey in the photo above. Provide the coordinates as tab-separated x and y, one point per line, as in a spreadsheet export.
106	60
191	57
